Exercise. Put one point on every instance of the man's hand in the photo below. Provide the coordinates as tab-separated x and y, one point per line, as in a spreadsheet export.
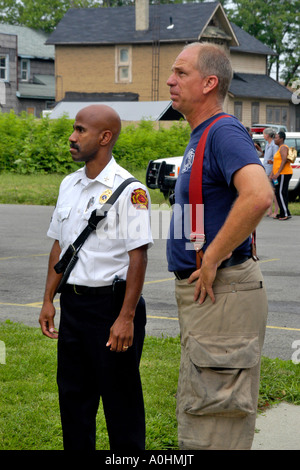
121	335
46	320
205	278
121	332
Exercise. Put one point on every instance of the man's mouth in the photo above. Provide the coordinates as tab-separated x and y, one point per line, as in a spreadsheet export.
74	147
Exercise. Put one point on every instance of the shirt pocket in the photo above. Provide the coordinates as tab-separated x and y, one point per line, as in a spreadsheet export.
219	374
62	215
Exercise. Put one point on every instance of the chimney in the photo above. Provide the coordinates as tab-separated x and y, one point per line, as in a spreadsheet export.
141	15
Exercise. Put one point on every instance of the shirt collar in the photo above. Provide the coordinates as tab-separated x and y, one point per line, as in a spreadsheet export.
106	176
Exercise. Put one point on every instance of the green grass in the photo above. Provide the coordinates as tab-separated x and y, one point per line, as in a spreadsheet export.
42	190
29	412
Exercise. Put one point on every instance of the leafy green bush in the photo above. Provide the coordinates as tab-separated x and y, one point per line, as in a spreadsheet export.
139	144
29	145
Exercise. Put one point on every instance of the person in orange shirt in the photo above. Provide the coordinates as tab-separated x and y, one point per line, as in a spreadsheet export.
281	175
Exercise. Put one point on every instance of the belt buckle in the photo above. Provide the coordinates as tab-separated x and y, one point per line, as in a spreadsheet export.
198	240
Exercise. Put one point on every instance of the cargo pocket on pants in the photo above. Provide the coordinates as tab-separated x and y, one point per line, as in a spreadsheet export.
218	380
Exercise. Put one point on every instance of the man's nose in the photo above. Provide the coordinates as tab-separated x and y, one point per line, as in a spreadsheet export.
171	80
72	137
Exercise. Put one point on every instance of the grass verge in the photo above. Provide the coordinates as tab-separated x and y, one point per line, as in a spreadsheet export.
38	189
29	412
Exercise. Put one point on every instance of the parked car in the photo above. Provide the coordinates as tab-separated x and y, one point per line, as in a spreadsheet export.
162	173
259	128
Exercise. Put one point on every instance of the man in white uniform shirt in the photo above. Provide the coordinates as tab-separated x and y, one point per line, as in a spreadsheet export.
99	343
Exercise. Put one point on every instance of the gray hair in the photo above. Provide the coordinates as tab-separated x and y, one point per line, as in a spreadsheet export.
270	132
213	60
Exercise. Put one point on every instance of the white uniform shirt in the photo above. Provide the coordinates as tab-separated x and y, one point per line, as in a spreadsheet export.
126	227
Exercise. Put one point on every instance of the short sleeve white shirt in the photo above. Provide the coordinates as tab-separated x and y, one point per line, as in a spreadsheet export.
126	227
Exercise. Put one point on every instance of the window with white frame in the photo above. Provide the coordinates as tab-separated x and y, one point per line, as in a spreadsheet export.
123	64
25	66
4	64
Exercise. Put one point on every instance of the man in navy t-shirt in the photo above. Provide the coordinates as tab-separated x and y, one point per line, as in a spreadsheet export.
228	148
222	303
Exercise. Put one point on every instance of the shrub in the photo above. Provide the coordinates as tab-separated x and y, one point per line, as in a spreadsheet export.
29	145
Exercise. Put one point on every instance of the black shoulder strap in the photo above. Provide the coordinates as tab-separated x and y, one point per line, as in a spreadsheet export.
96	216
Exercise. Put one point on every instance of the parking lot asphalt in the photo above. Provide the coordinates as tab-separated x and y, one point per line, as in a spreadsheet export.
24	250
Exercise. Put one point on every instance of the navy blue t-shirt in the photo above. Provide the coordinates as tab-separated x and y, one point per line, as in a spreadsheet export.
229	147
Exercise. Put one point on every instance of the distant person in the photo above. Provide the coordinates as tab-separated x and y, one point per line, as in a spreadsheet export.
270	150
281	175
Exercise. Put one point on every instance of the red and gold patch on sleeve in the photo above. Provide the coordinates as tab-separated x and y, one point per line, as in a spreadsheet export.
139	198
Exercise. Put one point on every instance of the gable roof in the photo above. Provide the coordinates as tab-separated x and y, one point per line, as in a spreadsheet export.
116	25
252	85
31	43
249	43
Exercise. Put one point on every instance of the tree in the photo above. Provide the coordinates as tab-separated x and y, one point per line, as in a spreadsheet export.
40	14
276	24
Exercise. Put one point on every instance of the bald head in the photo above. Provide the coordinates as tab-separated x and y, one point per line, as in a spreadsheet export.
96	130
101	117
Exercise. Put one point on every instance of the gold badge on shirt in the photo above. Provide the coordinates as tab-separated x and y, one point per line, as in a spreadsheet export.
105	196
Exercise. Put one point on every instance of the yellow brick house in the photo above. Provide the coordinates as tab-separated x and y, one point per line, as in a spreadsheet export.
126	53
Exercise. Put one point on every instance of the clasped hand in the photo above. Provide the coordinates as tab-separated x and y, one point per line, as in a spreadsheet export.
204	278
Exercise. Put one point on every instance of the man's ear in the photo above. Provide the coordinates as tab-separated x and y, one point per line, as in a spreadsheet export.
105	137
211	82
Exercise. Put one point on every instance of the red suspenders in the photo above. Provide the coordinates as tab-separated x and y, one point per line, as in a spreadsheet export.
197	236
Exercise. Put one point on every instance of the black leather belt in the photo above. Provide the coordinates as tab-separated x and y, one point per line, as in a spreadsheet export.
232	261
85	290
184	274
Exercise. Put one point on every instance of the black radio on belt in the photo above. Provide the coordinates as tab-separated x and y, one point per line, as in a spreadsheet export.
119	288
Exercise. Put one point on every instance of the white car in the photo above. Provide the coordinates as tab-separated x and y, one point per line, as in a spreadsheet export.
162	173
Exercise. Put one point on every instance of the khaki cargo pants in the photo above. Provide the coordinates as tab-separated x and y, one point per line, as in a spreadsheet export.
221	346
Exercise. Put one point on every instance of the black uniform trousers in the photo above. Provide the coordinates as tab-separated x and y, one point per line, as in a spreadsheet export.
88	370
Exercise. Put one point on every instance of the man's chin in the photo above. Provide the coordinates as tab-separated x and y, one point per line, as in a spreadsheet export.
75	155
175	105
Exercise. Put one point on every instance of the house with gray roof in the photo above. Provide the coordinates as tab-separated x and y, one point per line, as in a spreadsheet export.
27	72
128	51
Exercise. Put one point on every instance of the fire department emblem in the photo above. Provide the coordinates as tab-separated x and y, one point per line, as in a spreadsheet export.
139	198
